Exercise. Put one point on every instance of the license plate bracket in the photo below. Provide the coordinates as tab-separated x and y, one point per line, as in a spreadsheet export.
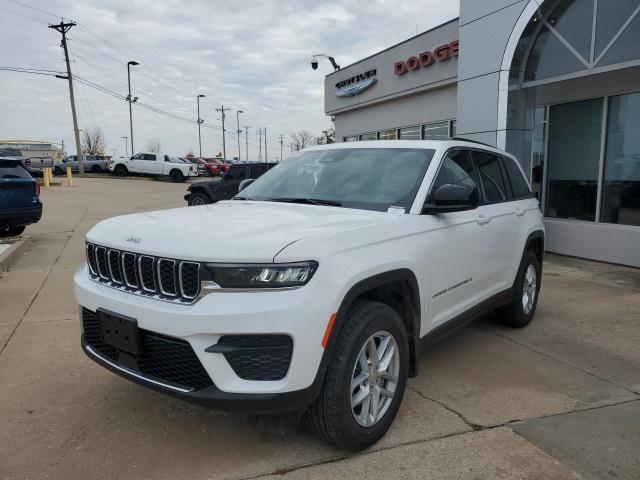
120	331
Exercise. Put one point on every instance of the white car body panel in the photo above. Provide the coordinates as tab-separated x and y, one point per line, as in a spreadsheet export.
158	167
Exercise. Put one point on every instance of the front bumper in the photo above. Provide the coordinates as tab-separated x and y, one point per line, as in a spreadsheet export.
302	314
19	218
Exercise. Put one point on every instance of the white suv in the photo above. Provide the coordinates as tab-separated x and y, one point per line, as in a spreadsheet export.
313	290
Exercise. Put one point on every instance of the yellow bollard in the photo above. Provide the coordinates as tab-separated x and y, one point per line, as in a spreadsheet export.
69	177
45	177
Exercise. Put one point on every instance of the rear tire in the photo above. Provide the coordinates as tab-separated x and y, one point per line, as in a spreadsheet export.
96	169
520	311
57	171
120	171
345	412
11	231
197	198
176	176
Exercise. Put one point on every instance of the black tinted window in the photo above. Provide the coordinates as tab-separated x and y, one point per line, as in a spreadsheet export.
12	170
258	170
148	156
518	183
237	173
495	186
457	169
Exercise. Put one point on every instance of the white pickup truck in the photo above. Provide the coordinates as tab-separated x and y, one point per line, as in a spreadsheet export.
154	164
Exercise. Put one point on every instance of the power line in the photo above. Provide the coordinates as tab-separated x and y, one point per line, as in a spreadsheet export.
17	2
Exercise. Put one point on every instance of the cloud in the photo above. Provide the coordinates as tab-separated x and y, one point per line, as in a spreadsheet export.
249	54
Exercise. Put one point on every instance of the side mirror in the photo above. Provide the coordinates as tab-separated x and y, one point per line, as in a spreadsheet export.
453	198
245	183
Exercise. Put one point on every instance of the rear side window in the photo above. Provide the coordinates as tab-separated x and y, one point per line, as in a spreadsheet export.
258	170
519	185
496	188
457	169
148	156
13	170
237	173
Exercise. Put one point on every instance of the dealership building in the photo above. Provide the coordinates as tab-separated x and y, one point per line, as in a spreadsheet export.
555	82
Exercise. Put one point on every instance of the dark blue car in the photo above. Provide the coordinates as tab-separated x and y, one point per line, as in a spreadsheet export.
19	202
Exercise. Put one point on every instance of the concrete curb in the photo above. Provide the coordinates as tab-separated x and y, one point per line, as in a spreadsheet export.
16	248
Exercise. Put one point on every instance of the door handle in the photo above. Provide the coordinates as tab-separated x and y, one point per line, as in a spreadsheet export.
482	220
520	212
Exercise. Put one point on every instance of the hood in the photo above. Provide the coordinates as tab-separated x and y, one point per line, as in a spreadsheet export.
232	231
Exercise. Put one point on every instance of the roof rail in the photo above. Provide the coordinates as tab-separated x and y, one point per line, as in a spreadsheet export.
462	139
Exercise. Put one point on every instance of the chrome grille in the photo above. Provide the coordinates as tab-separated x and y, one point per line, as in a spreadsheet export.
154	277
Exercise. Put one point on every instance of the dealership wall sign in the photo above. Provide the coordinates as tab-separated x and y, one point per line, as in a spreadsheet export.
356	84
428	58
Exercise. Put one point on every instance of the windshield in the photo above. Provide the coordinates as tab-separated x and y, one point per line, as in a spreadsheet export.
366	178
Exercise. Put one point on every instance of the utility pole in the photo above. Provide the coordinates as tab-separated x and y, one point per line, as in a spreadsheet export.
126	148
265	144
63	28
114	152
246	139
238	131
260	144
281	142
199	123
130	99
224	143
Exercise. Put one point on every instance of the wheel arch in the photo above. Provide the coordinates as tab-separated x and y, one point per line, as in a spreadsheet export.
396	288
206	189
535	243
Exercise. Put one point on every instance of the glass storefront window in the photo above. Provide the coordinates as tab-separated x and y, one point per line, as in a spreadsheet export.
369	136
436	131
621	187
352	138
411	133
391	134
574	158
538	143
627	47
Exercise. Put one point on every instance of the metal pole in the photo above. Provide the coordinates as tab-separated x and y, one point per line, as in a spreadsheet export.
63	28
265	144
281	147
238	131
260	144
130	99
126	146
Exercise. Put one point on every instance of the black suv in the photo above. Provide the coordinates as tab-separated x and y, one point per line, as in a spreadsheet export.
211	191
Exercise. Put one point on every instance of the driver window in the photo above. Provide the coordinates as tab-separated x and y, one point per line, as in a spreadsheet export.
457	169
148	156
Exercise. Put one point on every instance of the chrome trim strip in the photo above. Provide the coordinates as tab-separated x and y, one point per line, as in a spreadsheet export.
135	374
124	270
188	297
113	279
173	270
97	249
93	250
144	287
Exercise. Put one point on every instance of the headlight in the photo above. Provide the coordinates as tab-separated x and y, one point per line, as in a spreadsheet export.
262	275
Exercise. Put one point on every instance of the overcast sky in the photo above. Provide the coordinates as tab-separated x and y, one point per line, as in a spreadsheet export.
247	55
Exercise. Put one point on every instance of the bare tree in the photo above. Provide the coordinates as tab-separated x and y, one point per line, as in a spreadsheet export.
300	139
154	145
328	136
93	141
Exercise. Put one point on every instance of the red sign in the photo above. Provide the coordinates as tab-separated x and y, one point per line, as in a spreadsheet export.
426	59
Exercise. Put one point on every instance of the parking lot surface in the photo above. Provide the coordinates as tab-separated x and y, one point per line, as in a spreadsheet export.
557	400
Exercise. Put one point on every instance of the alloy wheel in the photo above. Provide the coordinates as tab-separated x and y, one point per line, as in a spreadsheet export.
374	378
529	289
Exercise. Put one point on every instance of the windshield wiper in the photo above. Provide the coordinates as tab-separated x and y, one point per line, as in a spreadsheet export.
241	198
307	201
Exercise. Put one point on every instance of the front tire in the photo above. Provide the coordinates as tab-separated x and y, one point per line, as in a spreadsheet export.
96	169
120	171
11	231
365	379
520	311
197	199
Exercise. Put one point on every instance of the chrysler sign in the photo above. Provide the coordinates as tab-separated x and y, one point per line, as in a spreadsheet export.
356	84
428	58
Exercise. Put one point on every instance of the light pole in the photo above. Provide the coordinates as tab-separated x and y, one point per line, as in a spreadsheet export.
130	100
199	123
238	131
224	143
126	146
246	140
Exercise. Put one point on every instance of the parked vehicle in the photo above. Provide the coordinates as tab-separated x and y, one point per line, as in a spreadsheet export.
19	198
198	162
315	287
15	154
211	191
154	164
91	163
217	166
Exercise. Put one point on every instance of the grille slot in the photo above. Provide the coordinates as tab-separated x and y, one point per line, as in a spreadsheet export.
167	277
159	278
257	357
163	358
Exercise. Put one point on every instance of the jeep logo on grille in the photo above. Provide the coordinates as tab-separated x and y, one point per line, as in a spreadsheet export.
134	239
